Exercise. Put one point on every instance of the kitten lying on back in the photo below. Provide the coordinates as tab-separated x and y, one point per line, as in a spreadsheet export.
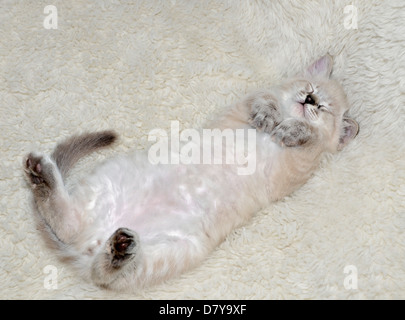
131	223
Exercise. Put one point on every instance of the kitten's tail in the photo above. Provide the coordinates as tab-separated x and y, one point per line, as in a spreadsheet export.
67	153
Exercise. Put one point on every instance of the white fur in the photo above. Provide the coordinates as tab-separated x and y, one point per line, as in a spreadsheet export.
180	212
134	67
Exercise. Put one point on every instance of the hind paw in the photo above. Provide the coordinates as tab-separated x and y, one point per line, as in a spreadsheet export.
34	169
37	170
123	246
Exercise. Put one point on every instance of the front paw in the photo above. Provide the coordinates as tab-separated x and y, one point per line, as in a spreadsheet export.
293	133
264	114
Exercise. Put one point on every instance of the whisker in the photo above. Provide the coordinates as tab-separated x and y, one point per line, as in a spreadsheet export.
315	114
312	114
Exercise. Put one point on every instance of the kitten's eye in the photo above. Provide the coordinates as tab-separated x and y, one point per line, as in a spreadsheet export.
309	100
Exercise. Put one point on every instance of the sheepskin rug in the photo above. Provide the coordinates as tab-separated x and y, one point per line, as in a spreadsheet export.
137	65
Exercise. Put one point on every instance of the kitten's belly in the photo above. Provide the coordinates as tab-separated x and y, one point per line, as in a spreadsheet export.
175	202
156	201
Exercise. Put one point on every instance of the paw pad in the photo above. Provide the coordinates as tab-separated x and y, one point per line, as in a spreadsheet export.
34	169
122	246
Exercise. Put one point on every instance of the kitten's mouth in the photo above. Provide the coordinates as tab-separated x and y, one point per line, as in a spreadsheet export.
302	109
307	104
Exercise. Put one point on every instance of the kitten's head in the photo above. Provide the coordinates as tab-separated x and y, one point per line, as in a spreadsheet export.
322	102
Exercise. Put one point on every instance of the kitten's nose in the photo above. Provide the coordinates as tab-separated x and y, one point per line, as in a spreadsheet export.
309	100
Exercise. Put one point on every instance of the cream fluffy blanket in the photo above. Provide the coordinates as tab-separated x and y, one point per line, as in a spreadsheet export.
135	65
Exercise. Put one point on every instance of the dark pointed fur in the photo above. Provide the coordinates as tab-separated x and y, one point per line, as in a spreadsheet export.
67	153
46	179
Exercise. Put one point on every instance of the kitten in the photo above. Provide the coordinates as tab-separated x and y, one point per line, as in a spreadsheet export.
131	223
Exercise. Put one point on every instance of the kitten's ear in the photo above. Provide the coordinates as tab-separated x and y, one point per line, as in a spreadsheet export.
350	129
321	68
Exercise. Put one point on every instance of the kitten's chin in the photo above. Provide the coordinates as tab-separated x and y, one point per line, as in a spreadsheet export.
298	110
